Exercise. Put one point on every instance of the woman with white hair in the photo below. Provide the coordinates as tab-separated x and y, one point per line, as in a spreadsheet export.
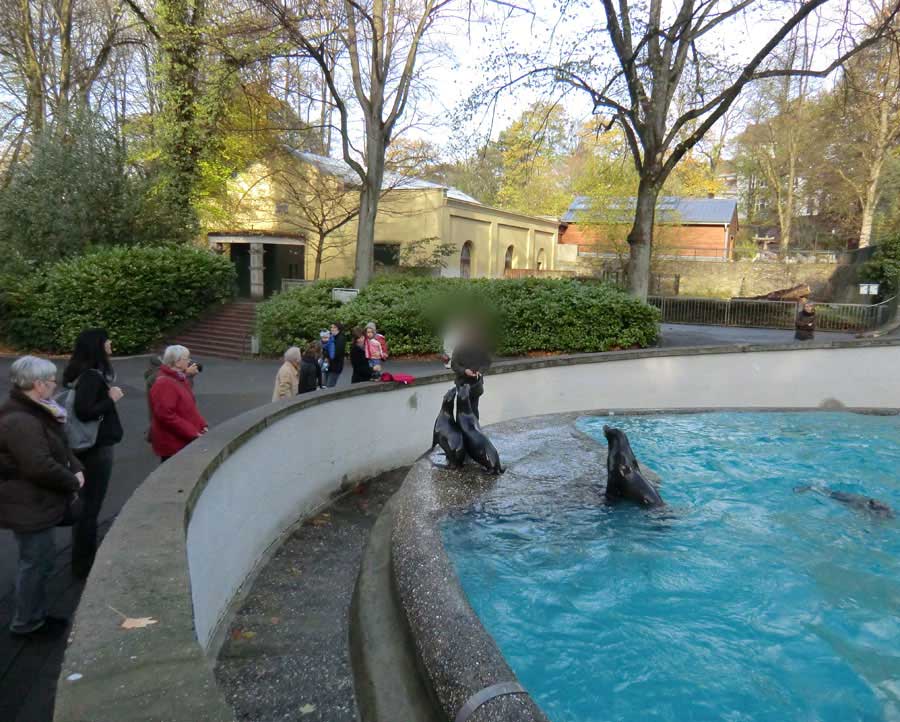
287	380
39	481
175	420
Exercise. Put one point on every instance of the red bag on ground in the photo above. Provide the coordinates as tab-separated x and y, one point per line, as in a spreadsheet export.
398	378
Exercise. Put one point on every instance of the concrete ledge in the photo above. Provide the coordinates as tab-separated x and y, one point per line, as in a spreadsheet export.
192	536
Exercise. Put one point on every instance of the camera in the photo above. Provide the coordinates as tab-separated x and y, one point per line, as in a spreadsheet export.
196	363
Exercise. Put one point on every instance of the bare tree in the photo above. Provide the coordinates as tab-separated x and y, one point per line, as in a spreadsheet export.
869	106
654	53
382	42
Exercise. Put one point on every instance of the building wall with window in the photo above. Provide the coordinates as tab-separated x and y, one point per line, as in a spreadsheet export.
271	202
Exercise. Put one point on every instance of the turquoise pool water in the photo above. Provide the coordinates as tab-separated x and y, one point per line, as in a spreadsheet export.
741	600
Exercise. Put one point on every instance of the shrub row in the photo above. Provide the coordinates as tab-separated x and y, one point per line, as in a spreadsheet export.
135	293
528	314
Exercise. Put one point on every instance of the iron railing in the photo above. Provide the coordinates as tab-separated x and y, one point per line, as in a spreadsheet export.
772	314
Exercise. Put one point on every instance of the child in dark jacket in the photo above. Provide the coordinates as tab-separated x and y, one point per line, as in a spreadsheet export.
361	369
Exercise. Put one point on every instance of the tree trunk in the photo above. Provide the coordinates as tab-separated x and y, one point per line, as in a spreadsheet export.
872	195
368	208
320	250
34	77
640	240
365	236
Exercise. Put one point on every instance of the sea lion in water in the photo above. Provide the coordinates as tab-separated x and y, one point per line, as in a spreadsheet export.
866	504
623	473
478	446
447	433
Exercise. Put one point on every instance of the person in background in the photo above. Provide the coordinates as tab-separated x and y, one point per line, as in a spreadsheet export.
380	338
338	352
325	358
806	322
90	373
469	362
175	420
38	477
374	349
287	380
362	371
310	374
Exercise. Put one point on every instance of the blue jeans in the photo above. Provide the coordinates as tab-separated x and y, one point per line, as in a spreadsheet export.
36	555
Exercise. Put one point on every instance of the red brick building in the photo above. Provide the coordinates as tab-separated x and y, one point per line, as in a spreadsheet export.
701	228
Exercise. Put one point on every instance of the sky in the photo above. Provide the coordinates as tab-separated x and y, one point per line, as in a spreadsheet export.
472	45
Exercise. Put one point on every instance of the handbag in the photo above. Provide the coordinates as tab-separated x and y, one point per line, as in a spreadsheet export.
80	434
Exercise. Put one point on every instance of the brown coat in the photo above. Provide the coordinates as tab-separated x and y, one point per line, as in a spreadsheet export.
287	382
37	469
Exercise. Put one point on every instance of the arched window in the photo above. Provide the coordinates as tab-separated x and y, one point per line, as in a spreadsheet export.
540	260
508	261
465	260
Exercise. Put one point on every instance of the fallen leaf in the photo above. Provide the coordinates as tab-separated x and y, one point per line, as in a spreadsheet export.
307	709
275	620
321	520
137	622
235	634
247	634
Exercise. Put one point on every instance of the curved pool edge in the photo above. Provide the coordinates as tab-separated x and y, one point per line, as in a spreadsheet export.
436	609
142	569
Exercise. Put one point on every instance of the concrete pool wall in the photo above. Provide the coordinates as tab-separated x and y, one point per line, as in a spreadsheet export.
192	537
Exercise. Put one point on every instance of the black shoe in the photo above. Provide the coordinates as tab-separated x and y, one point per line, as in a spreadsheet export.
48	630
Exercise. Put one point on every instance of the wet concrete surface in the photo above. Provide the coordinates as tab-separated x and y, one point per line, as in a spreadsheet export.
286	656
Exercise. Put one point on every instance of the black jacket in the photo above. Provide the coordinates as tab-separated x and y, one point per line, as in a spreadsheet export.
469	356
336	365
361	369
92	401
37	469
805	325
309	374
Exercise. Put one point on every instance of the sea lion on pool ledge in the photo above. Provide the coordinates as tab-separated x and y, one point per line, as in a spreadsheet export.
447	433
624	479
478	446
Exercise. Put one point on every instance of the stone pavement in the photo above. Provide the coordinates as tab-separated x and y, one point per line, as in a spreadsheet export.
28	670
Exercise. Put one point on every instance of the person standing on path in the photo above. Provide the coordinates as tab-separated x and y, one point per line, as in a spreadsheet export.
175	420
90	373
362	371
39	476
806	322
338	351
287	381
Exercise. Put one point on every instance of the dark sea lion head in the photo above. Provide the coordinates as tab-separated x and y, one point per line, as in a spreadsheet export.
879	509
449	398
463	401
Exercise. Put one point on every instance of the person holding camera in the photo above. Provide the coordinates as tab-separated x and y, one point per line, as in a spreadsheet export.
175	420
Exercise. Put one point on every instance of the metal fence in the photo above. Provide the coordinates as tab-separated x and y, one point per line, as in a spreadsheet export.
772	314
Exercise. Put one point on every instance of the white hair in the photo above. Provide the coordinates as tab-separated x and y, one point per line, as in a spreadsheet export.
292	354
173	354
28	369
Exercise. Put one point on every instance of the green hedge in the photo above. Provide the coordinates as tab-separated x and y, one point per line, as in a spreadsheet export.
529	314
135	293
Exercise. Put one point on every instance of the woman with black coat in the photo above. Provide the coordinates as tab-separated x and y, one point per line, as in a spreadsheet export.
91	374
361	369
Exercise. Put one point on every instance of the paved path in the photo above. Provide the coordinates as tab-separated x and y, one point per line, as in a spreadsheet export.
28	670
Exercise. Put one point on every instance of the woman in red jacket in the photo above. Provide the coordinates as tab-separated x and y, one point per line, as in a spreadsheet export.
174	419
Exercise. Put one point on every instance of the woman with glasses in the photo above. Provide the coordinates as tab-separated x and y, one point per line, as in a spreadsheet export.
39	478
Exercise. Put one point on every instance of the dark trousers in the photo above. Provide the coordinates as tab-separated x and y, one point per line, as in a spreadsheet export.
331	379
476	389
98	463
36	555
